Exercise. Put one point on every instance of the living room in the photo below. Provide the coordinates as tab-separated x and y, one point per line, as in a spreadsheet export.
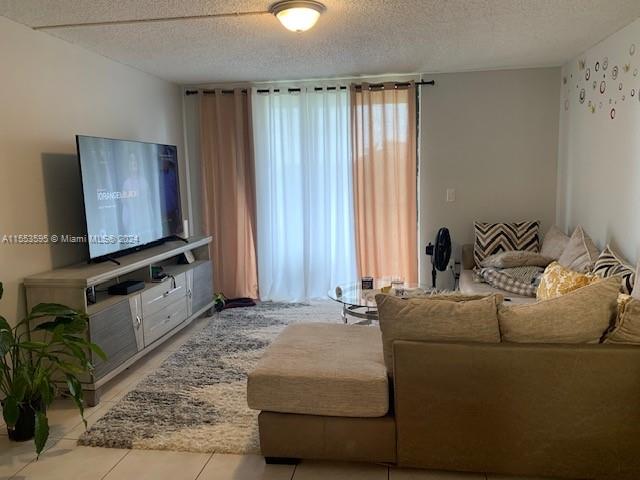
298	240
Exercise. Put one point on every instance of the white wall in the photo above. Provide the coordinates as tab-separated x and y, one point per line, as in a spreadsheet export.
50	91
599	157
492	136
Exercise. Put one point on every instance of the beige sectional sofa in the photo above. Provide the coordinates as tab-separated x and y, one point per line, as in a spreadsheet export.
569	411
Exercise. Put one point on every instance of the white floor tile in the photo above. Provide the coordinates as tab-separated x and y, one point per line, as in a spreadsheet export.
14	456
244	467
315	470
66	461
159	465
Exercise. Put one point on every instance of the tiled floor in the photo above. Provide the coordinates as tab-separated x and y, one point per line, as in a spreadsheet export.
64	460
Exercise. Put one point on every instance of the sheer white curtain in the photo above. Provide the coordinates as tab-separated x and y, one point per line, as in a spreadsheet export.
304	193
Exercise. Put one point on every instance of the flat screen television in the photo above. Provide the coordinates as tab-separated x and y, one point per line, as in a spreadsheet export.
131	194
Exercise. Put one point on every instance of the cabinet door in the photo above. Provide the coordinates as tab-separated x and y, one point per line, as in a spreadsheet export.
113	330
202	291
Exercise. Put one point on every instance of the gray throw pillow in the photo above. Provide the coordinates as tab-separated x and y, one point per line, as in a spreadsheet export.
554	243
580	254
516	258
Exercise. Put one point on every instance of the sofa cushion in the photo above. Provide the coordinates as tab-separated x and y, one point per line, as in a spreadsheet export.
610	264
491	238
554	243
558	280
627	326
581	253
468	286
581	316
322	369
428	319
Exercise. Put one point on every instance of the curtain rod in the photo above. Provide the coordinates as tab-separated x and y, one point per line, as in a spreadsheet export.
317	89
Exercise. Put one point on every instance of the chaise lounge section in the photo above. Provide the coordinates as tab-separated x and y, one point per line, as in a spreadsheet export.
569	411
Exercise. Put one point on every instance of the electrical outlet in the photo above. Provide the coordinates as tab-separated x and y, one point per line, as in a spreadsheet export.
451	195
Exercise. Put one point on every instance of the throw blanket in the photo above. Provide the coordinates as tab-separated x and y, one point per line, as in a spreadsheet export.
519	280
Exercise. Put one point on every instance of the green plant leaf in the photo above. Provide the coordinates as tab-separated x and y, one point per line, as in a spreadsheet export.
10	411
97	350
6	336
42	431
31	345
52	310
75	390
76	324
20	384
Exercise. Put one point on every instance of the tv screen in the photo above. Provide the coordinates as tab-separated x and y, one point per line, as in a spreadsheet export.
131	193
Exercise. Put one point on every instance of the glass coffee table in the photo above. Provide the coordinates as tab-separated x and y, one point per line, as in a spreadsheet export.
360	304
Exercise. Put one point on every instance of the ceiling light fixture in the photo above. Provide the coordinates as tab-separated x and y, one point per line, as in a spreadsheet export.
297	15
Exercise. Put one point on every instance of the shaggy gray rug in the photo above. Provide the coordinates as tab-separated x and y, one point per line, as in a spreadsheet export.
196	400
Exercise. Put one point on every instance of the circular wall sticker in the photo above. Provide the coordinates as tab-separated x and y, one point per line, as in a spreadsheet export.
614	72
605	63
620	86
635	72
594	84
633	92
597	66
632	49
587	74
582	95
603	86
612	114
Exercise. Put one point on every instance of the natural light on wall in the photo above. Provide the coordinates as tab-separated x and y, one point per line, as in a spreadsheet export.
297	15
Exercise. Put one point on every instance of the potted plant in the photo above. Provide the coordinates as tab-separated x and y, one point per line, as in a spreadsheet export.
46	348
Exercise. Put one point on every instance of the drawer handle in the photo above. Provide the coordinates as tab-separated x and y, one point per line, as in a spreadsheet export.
169	292
138	321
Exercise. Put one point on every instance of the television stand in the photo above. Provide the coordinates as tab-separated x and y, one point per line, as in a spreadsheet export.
111	259
128	327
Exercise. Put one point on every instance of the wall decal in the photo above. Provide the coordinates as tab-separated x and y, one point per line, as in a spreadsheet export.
605	63
582	95
587	74
635	72
633	92
626	68
603	86
594	84
612	114
614	72
597	66
620	86
632	49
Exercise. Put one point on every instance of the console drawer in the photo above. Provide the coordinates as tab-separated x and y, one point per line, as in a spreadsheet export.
157	298
160	322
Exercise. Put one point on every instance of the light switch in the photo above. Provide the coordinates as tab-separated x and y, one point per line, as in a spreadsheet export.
451	195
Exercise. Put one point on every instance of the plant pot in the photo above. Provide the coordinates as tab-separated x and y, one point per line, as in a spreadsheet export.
25	427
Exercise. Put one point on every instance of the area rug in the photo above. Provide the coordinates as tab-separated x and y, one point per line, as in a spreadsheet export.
196	400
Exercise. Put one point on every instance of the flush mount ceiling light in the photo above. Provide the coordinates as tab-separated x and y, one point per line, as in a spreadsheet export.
297	15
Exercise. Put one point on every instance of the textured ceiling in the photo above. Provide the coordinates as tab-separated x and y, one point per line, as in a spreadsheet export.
353	37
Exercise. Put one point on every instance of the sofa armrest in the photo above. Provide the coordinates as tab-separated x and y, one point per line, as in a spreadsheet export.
545	410
468	263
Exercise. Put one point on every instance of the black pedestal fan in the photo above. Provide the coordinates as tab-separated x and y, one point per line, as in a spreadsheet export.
440	253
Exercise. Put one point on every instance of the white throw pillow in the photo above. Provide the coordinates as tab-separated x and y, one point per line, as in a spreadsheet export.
581	253
554	243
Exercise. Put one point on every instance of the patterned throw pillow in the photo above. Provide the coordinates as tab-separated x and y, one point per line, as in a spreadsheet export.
558	280
609	264
493	238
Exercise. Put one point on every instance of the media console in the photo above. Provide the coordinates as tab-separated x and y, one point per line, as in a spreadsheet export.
127	327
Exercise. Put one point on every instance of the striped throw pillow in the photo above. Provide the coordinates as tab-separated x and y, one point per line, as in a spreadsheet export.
610	264
492	238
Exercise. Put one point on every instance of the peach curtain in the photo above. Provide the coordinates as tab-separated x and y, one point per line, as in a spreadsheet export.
383	123
228	183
